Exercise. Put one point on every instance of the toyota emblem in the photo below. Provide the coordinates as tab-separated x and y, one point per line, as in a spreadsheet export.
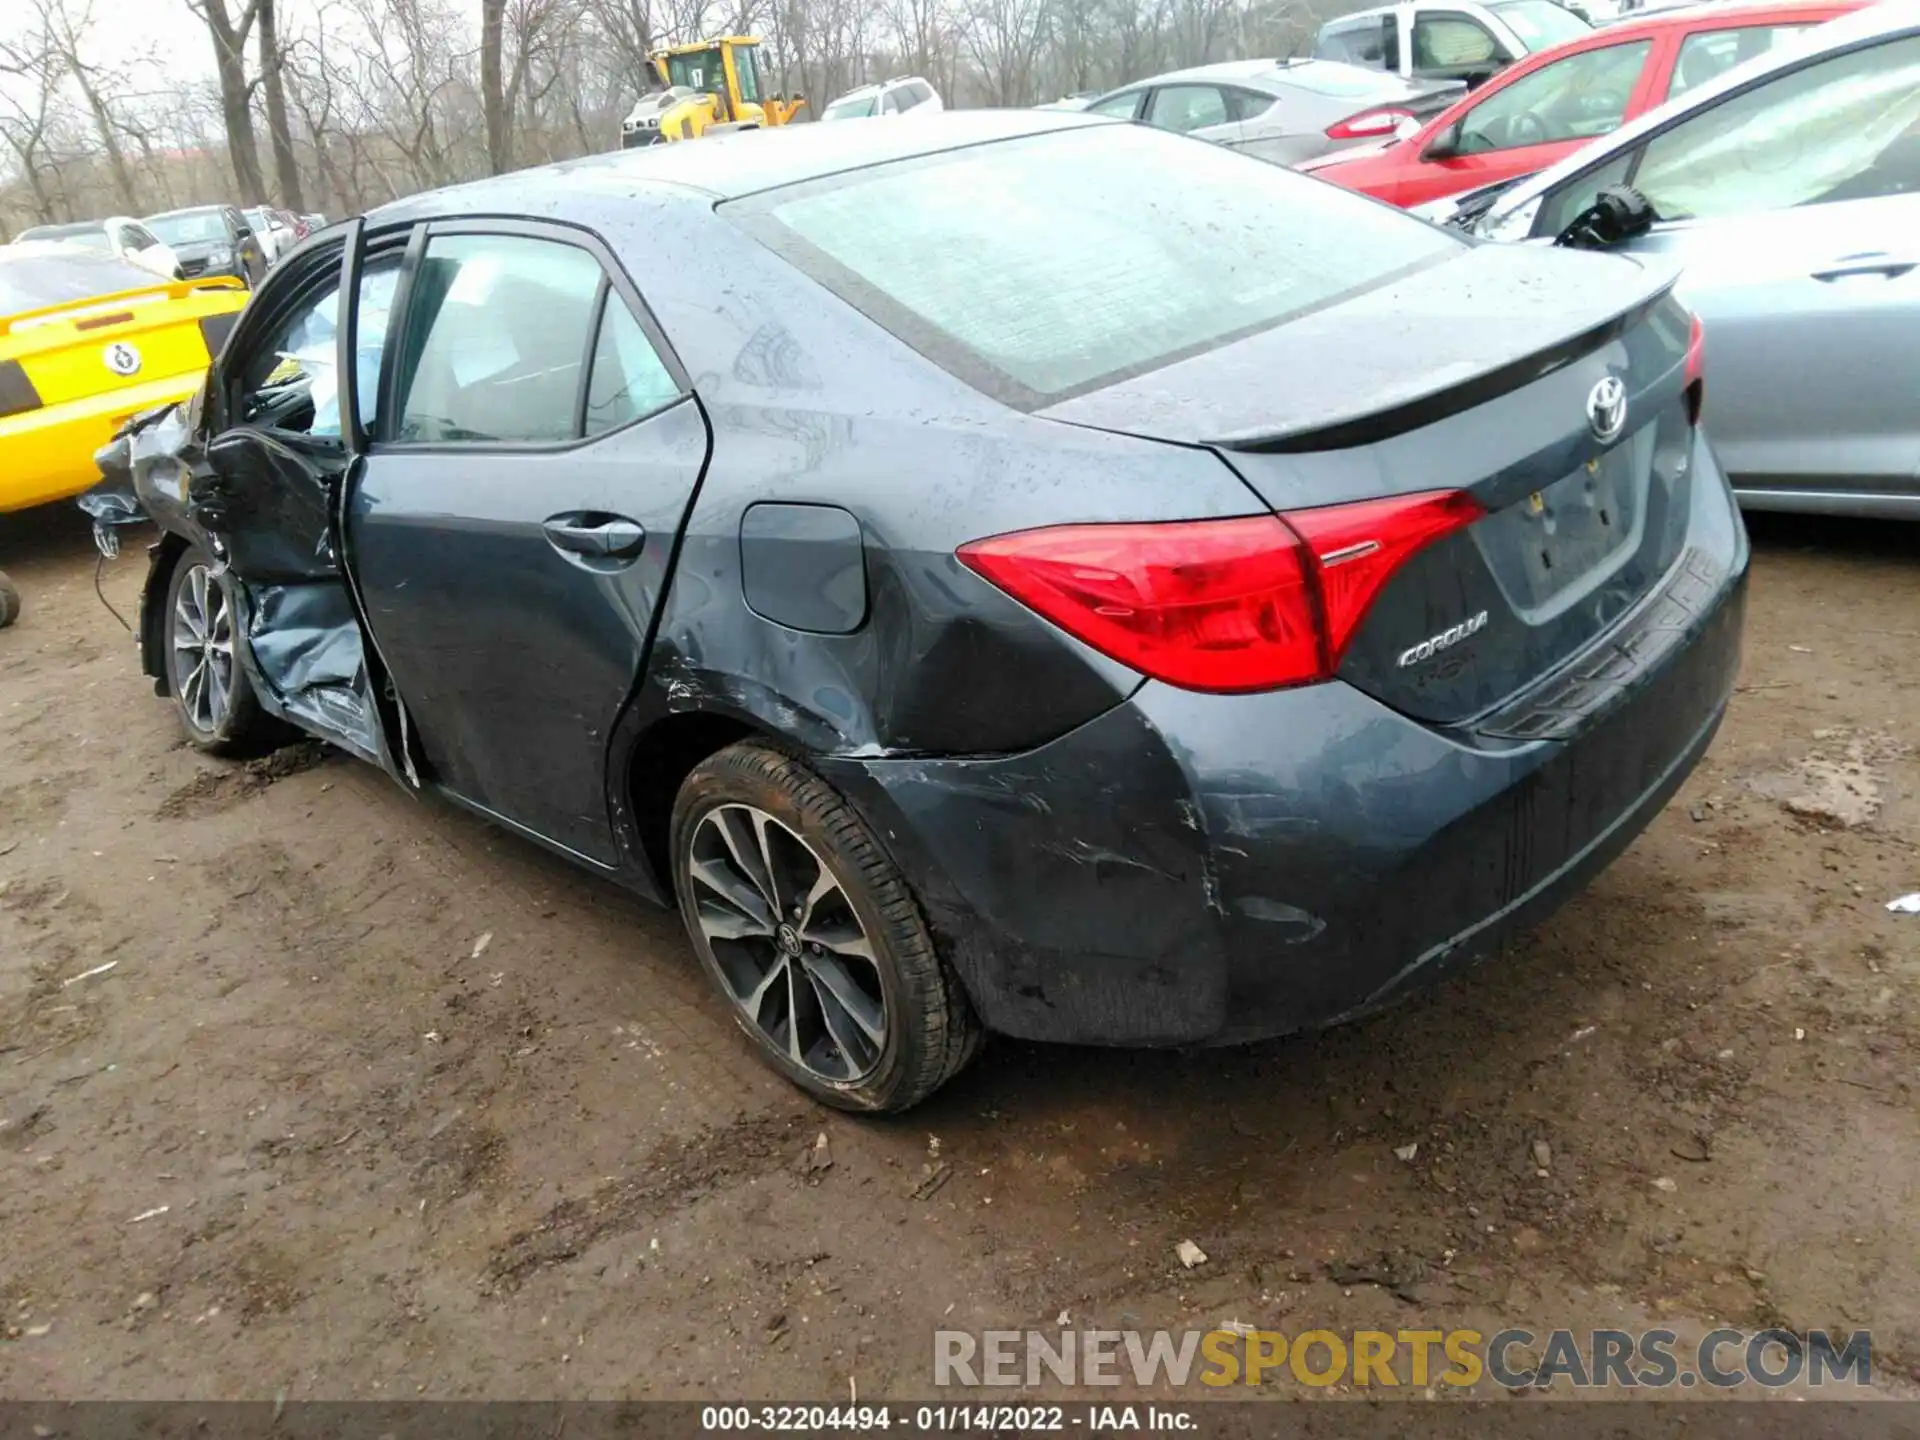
122	358
1607	409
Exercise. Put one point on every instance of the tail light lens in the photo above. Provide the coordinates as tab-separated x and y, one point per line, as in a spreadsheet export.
1221	605
17	395
1696	370
1370	124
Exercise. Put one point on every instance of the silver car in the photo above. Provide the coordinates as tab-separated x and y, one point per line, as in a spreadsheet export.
1788	189
1285	111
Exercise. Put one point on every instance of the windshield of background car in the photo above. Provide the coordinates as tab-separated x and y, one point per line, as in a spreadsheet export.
94	237
856	109
1540	23
198	228
1044	267
34	281
697	71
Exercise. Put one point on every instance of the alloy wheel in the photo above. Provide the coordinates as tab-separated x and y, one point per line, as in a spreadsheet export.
203	649
787	942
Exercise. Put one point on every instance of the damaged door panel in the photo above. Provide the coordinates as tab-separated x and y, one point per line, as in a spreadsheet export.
267	488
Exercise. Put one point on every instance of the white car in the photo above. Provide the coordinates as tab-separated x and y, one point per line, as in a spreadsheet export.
117	235
275	235
910	94
1447	39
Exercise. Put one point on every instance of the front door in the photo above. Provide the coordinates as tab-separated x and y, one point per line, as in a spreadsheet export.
267	471
516	517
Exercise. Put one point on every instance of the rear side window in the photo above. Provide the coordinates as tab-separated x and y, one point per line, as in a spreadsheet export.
1048	266
497	332
1182	108
1706	55
629	380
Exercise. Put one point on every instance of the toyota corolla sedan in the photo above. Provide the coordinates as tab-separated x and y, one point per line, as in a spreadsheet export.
1022	573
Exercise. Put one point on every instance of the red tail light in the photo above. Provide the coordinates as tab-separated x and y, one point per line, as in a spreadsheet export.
1222	605
1370	124
1696	370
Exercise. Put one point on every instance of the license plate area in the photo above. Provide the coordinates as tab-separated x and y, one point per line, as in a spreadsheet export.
1546	549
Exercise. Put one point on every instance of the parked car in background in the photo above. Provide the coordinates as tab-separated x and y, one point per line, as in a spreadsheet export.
212	240
1788	194
273	228
119	236
1447	39
313	220
1280	110
1292	599
1549	105
907	95
88	340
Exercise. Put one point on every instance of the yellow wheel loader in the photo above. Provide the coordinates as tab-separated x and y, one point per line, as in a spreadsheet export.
707	88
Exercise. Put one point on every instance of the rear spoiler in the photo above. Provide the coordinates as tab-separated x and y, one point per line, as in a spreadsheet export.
1433	96
143	294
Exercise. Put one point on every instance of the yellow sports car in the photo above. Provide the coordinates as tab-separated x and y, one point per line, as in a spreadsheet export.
86	342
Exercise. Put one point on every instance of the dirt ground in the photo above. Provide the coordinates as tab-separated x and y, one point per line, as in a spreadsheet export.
315	1134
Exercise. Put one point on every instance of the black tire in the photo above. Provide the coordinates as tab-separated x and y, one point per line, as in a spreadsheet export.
9	601
930	1028
237	726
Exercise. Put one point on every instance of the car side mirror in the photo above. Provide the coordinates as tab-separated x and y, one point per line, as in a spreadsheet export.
1617	215
1445	145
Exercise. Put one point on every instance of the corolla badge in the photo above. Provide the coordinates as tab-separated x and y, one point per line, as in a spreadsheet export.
1607	409
1434	644
121	358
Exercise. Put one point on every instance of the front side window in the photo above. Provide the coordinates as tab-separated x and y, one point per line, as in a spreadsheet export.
746	69
291	379
1576	98
698	70
1707	55
1050	265
1183	108
1845	128
497	332
1452	42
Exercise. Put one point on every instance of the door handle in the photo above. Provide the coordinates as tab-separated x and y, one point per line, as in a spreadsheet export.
595	536
1878	262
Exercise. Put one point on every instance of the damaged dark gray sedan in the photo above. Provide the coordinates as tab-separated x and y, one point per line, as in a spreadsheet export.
1024	573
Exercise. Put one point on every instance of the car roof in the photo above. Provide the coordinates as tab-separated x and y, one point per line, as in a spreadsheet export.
1885	20
724	167
1270	75
1708	16
55	231
185	210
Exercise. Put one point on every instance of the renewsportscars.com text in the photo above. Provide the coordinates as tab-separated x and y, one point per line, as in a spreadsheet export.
1516	1359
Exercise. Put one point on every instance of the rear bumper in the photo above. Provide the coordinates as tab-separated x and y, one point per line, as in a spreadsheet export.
1196	869
49	452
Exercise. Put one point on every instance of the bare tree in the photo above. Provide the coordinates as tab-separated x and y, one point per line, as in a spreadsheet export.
32	64
229	37
273	82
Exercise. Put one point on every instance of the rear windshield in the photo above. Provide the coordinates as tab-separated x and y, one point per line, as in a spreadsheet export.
190	227
1541	23
89	233
30	281
1044	267
1344	82
856	108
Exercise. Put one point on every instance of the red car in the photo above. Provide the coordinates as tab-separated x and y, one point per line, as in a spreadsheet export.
1542	109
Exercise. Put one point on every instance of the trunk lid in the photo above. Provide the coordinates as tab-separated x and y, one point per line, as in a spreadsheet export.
1482	376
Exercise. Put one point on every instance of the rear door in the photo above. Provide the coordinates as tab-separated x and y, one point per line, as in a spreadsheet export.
517	517
273	455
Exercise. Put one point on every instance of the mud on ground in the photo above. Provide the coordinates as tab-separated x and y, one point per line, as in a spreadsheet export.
309	1136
